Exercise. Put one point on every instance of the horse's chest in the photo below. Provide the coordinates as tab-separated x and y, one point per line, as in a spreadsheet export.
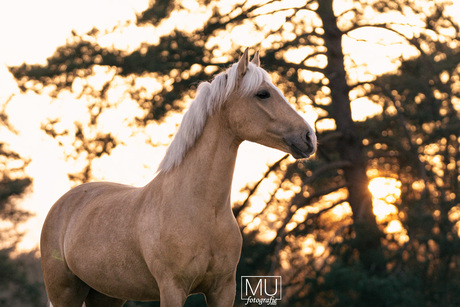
200	249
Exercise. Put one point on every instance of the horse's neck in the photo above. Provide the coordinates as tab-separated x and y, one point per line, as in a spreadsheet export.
206	172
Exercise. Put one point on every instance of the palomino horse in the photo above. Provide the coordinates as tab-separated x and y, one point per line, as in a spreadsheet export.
105	243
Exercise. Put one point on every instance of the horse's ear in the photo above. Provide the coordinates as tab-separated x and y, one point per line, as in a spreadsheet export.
255	59
243	63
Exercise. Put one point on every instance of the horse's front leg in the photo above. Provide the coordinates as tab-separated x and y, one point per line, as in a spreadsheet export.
223	295
171	295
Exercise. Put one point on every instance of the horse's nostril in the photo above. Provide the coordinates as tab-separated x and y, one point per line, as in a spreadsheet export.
308	139
309	142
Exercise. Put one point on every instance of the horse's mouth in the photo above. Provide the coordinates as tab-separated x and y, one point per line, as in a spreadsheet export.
298	153
299	147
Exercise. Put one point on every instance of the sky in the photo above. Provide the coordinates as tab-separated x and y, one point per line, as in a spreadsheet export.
31	30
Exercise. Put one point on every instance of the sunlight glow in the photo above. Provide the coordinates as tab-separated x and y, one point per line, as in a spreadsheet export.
385	192
454	217
382	209
385	188
312	247
395	228
363	108
342	210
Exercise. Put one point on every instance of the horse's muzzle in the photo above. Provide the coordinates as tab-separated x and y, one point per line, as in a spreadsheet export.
301	145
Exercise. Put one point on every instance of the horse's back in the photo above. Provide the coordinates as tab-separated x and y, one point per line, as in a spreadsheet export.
76	202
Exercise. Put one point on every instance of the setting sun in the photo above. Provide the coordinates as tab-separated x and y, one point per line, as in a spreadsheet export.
385	192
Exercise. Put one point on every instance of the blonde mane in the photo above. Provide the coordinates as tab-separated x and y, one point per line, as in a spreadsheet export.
209	99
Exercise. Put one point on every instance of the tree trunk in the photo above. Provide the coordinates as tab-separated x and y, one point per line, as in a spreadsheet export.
350	145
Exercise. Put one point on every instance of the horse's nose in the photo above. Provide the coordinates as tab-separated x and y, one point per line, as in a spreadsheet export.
310	139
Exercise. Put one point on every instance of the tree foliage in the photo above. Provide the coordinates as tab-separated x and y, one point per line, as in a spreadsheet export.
20	282
318	228
12	185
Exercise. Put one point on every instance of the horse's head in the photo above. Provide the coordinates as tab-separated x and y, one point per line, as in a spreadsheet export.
258	112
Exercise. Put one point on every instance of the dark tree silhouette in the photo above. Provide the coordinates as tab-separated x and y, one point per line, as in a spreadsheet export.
18	286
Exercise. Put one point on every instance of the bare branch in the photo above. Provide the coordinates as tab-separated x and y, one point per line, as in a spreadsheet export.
307	201
273	167
4	118
331	136
327	167
298	66
317	214
347	11
387	26
355	85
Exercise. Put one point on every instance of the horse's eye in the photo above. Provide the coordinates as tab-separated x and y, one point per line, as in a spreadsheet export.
263	94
